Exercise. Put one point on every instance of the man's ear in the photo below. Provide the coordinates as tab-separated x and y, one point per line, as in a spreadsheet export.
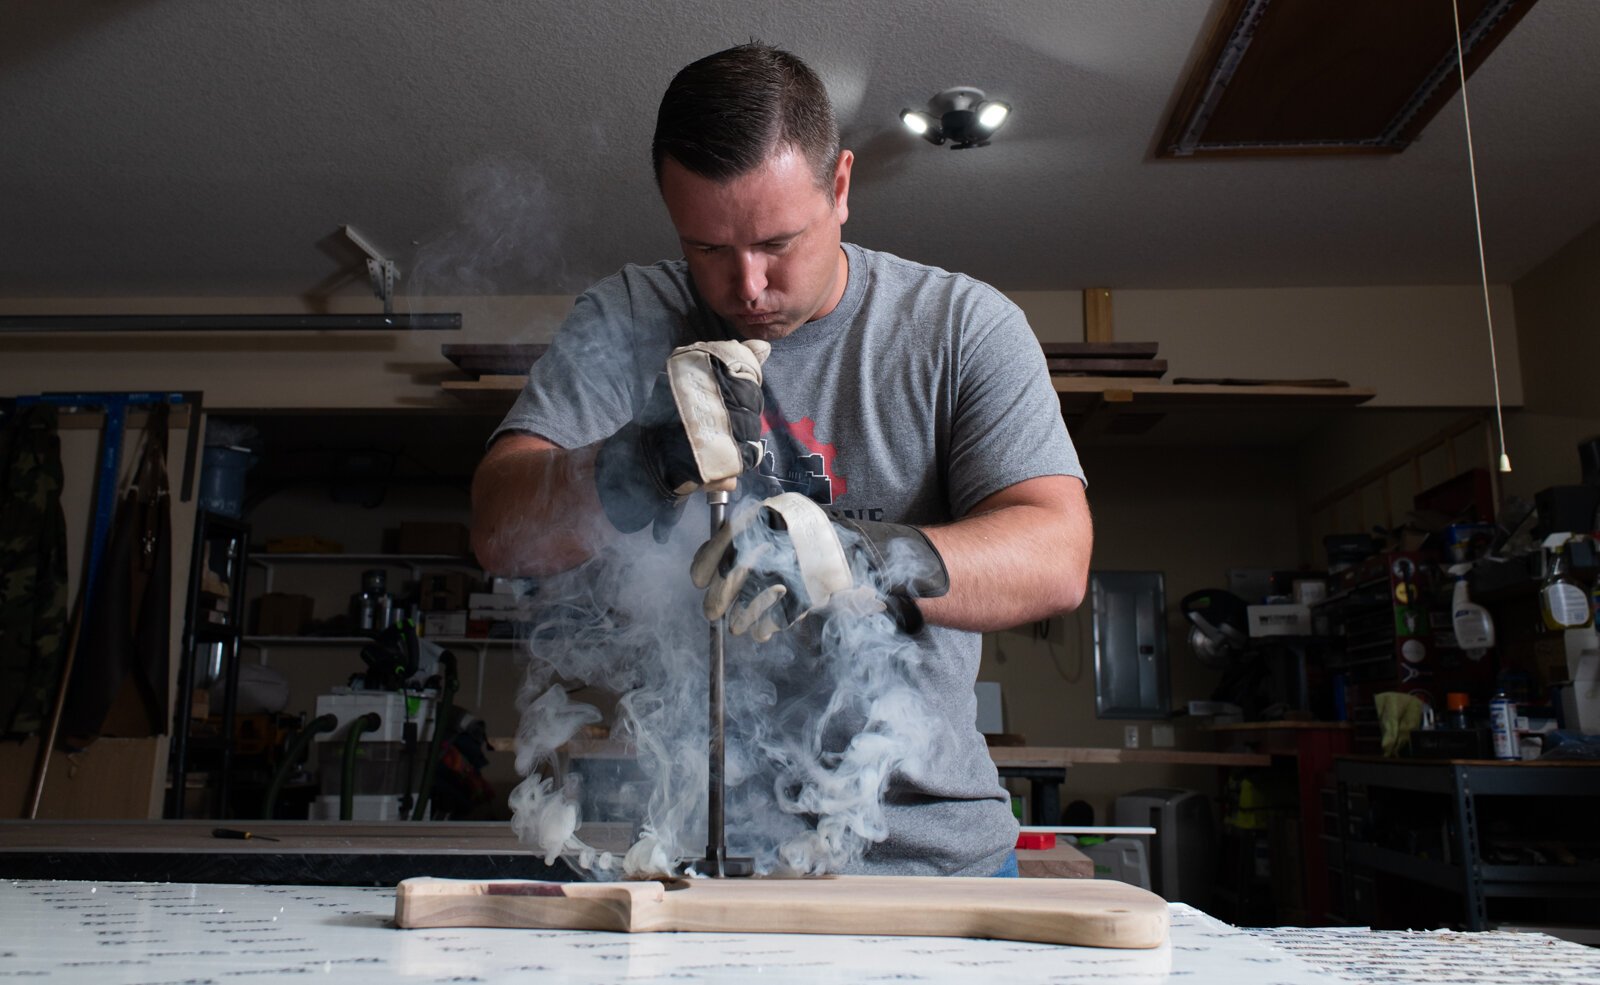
841	185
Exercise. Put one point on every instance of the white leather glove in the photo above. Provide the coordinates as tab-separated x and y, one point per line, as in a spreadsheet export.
700	424
771	566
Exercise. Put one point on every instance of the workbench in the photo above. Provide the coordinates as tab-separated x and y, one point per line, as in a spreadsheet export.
1045	767
124	933
326	853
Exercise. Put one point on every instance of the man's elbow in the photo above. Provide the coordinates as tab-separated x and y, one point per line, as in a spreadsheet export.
1077	543
496	519
489	549
1071	587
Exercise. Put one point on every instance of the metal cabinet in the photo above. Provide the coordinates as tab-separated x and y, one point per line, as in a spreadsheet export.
1490	834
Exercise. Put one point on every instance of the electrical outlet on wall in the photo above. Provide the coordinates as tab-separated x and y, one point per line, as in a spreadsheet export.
1130	736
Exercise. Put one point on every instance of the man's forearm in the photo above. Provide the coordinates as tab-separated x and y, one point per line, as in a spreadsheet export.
1013	564
534	508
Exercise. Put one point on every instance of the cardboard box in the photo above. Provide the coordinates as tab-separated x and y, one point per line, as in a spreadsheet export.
445	624
1279	620
432	538
283	614
498	608
1310	591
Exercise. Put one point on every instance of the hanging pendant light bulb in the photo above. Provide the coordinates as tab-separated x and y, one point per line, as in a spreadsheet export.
1483	264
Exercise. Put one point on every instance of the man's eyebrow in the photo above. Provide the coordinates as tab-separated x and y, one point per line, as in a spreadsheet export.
775	238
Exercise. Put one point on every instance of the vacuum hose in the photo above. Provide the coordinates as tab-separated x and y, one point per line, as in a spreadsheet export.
370	722
297	746
446	697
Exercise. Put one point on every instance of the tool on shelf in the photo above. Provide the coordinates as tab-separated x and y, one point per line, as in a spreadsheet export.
238	835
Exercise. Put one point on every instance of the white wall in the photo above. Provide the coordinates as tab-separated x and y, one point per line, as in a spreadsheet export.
1559	301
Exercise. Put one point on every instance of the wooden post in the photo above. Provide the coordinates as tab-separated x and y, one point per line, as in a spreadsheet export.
1097	315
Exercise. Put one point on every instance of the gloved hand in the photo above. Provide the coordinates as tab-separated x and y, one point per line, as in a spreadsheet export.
700	424
771	566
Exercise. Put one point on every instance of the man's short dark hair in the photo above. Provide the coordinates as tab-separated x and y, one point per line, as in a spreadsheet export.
725	114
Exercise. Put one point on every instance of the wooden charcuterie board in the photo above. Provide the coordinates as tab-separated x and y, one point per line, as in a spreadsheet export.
1086	912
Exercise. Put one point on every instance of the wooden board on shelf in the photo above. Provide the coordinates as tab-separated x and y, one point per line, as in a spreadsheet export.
485	391
1080	394
1107	367
1083	755
1099	350
494	359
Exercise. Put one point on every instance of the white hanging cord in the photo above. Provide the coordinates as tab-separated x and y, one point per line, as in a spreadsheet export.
1483	264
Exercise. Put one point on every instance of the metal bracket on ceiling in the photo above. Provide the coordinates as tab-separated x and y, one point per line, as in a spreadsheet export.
381	271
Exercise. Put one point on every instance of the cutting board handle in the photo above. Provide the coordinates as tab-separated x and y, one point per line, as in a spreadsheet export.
611	906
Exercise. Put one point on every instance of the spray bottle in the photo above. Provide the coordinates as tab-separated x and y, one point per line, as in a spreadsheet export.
1474	629
1562	599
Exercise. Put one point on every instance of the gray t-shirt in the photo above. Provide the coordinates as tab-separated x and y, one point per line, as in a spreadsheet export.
919	395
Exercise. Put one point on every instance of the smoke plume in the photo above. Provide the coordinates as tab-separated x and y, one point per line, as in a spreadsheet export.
818	719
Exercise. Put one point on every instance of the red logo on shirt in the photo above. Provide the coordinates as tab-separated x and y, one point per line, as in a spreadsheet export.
812	474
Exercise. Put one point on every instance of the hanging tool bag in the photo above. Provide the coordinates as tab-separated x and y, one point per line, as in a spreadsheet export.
33	568
121	666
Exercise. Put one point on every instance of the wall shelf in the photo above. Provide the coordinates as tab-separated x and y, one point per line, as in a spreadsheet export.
267	560
1078	393
1100	407
269	641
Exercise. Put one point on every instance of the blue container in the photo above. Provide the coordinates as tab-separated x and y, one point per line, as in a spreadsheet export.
222	473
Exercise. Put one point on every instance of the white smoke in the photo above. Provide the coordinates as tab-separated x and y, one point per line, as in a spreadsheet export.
508	233
819	719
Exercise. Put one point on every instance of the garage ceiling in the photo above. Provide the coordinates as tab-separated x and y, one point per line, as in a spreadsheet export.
214	147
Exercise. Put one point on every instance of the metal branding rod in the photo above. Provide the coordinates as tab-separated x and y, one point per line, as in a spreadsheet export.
717	864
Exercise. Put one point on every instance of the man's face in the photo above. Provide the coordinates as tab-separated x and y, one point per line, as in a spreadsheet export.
763	248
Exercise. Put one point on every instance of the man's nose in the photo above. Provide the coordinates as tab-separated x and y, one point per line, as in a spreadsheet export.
751	276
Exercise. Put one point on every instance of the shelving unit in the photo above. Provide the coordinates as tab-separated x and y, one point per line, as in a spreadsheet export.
221	546
413	564
1465	797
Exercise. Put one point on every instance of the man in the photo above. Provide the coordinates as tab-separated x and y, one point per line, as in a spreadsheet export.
902	415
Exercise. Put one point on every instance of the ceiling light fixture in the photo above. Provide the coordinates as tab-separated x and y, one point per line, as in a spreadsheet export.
962	117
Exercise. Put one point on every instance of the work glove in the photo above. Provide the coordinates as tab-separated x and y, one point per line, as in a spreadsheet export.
771	566
700	424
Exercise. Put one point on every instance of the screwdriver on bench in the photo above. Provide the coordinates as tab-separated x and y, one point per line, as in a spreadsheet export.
240	835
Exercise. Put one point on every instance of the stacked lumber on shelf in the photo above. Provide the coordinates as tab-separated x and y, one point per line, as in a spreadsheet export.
493	359
1104	359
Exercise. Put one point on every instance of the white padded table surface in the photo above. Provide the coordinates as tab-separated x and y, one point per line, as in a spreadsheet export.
127	933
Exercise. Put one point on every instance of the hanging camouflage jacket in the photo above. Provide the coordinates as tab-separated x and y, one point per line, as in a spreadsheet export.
33	568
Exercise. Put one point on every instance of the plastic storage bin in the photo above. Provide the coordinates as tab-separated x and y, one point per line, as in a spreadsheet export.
222	473
1123	859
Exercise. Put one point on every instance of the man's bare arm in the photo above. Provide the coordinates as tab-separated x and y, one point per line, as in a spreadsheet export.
534	507
1021	555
